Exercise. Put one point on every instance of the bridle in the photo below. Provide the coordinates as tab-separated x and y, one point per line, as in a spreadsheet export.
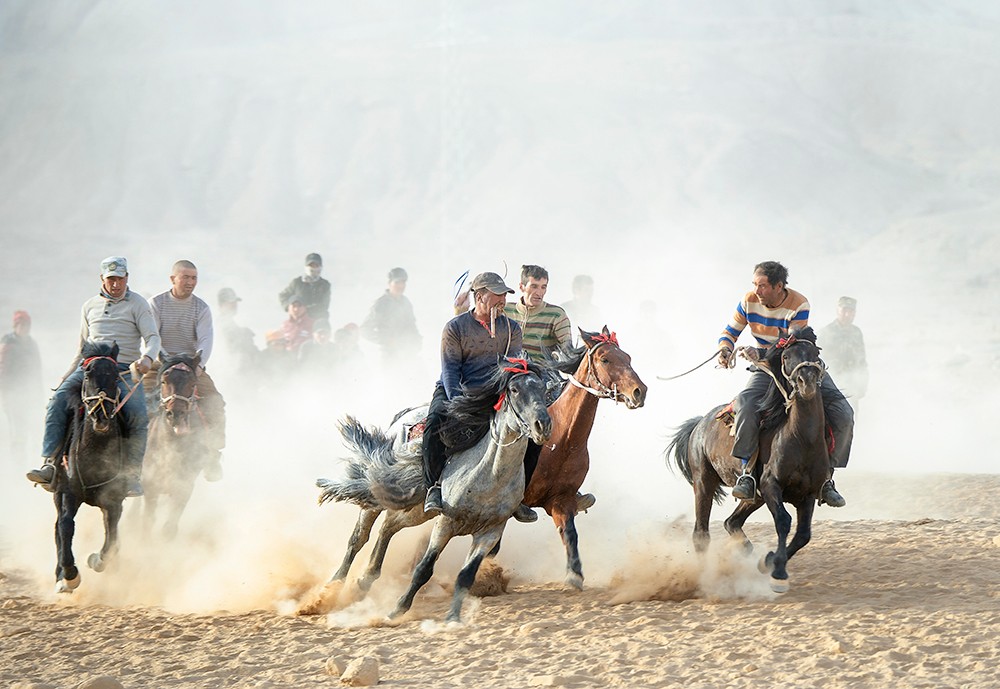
191	401
785	343
599	389
101	400
520	368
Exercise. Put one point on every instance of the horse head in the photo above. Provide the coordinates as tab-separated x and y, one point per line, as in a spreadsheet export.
99	390
522	393
607	368
796	356
178	382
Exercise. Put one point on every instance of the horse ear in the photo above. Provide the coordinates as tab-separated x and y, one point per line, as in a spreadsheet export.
197	357
586	338
162	358
605	331
114	350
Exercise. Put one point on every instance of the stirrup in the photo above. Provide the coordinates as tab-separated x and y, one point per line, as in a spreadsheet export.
434	503
835	499
753	487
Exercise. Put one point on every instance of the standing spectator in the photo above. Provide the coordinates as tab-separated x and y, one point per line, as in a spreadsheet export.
580	308
299	326
311	288
237	338
391	323
844	351
20	380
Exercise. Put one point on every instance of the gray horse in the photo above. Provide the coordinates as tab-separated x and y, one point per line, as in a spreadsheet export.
482	483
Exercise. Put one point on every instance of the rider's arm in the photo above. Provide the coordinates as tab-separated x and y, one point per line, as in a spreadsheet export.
204	331
146	325
451	360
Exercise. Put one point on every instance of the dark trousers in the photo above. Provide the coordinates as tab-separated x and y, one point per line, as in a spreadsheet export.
433	448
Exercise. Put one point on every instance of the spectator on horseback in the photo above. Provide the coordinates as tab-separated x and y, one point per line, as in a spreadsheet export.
470	346
237	338
184	322
580	308
391	323
311	288
116	314
299	326
545	327
844	350
770	310
20	379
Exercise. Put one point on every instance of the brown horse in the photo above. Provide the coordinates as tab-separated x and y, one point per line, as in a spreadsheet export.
604	371
793	461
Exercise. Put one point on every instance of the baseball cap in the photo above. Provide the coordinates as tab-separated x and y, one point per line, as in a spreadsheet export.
491	281
848	302
114	265
21	317
228	295
314	258
397	274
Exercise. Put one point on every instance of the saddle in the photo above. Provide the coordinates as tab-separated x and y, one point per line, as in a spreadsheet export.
727	415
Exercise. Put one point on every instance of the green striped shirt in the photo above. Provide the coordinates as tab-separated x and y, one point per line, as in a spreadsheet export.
545	326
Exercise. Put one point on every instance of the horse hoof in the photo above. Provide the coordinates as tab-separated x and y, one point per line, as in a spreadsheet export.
575	580
95	562
68	585
765	563
779	585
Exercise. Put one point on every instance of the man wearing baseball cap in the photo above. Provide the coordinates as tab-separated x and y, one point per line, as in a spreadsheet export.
311	288
116	314
20	381
470	346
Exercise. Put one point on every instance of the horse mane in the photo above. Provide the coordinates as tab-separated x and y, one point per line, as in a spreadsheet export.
467	416
92	348
173	359
772	406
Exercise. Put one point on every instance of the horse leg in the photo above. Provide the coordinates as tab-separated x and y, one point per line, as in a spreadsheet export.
734	524
112	514
149	503
395	521
422	573
67	574
776	560
176	503
703	497
482	543
565	522
360	535
803	526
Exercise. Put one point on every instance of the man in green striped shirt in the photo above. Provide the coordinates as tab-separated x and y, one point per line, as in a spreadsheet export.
545	327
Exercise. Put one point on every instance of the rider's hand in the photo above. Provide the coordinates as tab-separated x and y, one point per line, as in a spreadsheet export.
750	354
725	354
142	364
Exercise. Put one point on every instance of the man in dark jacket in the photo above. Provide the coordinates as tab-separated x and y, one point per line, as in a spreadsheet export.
311	288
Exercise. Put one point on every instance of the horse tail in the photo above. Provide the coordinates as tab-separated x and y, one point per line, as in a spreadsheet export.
375	477
679	447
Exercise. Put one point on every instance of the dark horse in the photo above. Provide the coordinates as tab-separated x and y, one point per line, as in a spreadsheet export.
793	461
602	371
176	450
91	469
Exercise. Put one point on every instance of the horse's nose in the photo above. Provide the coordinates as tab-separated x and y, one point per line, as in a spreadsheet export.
543	427
639	396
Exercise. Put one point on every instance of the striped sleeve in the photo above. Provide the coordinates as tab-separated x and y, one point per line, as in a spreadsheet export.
736	324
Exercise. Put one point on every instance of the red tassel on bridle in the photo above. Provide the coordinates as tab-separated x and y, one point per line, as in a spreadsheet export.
606	339
786	341
520	366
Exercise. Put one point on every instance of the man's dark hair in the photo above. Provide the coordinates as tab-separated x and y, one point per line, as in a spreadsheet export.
536	272
183	263
773	271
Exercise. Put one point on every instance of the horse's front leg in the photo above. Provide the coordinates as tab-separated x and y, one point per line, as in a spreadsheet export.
803	526
67	573
395	521
565	522
775	561
177	500
422	573
482	543
362	531
112	515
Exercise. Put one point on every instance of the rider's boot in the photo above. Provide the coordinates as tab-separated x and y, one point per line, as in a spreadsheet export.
523	513
745	488
584	502
212	470
433	503
828	495
133	467
44	475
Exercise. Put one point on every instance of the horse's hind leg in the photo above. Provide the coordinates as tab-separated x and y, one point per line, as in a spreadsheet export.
422	573
67	573
734	524
481	545
112	514
362	531
395	521
566	525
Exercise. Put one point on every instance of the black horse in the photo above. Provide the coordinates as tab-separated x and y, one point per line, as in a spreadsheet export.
793	461
176	450
91	470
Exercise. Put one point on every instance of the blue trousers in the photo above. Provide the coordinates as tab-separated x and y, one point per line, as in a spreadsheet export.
64	402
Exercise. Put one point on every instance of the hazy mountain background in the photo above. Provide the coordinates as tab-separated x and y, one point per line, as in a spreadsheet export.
662	147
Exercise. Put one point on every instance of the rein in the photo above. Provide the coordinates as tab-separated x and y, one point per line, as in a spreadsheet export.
602	391
192	400
520	368
790	397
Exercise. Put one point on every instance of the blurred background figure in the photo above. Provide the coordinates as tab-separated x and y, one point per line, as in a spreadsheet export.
318	355
391	323
580	308
843	350
237	339
299	326
20	383
311	288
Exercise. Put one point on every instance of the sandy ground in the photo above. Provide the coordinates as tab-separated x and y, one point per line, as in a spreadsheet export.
874	602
